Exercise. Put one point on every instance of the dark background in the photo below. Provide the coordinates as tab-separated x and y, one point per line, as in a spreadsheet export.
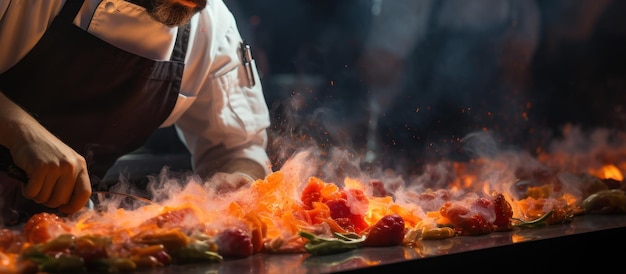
470	74
519	70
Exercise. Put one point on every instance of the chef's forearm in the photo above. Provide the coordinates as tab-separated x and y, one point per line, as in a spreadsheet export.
14	122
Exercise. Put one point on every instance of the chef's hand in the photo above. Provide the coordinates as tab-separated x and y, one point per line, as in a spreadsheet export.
57	175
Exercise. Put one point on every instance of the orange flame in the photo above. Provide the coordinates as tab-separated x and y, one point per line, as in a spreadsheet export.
611	172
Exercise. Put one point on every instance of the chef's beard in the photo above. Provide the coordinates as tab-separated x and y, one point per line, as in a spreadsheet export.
174	14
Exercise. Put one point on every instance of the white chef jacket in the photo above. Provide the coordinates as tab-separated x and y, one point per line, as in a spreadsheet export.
219	114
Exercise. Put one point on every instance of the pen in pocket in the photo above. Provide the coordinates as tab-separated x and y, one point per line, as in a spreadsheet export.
246	54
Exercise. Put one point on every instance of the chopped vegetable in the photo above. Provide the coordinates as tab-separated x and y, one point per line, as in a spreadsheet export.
541	221
606	201
196	251
324	246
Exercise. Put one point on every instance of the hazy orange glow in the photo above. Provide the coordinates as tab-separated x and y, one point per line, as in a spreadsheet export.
611	172
274	209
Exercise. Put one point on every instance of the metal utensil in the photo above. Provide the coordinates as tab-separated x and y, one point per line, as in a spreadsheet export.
119	200
7	165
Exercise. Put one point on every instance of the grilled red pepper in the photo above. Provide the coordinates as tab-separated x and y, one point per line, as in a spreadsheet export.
388	231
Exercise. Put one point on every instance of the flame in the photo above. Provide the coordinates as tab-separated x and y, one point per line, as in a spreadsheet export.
274	209
351	183
271	208
611	172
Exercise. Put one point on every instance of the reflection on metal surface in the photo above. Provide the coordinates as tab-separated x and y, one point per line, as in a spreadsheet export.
518	238
427	248
446	252
341	261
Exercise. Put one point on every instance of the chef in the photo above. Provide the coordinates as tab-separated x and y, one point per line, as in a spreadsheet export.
83	82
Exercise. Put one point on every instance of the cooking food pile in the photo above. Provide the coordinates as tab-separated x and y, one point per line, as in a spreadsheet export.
287	212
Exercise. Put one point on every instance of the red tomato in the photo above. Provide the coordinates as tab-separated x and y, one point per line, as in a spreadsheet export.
41	227
340	210
504	213
474	225
388	231
234	243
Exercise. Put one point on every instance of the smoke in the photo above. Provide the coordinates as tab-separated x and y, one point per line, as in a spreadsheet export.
481	144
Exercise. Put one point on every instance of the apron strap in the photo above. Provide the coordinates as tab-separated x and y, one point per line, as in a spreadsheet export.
180	47
69	10
144	3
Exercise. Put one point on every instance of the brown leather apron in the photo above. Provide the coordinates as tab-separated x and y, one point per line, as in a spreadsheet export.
102	101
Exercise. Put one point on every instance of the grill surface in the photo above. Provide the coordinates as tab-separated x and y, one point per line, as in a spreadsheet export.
588	241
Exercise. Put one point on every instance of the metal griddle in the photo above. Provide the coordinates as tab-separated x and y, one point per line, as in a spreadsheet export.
593	242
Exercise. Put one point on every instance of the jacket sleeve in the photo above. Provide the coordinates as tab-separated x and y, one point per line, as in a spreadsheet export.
228	120
22	23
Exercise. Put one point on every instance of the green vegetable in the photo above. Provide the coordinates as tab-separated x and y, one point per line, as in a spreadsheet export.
61	263
324	246
59	243
606	201
37	252
195	251
64	263
541	221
